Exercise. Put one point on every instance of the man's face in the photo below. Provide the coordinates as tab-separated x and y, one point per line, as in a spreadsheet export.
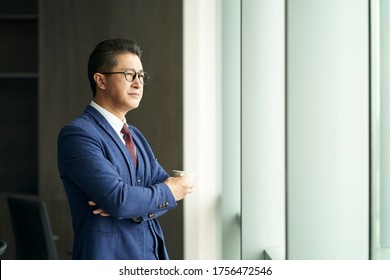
124	95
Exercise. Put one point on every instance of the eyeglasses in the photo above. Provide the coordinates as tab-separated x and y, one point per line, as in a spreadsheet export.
131	74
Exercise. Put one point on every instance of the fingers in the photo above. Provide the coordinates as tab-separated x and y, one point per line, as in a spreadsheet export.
187	184
180	186
188	180
98	211
189	189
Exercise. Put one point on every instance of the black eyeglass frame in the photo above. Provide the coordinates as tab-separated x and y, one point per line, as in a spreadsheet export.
143	81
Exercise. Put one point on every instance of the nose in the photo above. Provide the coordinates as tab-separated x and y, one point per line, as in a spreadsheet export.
139	77
136	82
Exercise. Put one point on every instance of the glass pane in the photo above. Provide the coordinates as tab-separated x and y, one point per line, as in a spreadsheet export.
380	129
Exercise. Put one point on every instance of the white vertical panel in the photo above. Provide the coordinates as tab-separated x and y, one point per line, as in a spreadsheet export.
380	155
384	125
375	128
328	130
231	134
202	128
263	127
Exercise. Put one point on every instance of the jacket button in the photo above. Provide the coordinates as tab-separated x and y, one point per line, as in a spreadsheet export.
166	204
151	215
138	180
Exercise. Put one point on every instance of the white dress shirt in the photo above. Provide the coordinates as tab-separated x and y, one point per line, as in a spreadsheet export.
114	121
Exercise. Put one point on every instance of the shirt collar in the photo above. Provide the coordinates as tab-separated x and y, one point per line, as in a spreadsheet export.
113	120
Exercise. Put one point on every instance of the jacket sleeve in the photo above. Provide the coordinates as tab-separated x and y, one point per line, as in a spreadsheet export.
83	160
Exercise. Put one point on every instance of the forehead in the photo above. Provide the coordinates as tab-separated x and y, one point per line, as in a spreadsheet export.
128	61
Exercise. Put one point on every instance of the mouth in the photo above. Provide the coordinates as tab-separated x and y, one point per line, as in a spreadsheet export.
134	94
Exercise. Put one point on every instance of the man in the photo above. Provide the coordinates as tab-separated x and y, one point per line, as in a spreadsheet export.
121	176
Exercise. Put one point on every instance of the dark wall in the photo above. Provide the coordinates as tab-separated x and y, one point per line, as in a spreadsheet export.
68	31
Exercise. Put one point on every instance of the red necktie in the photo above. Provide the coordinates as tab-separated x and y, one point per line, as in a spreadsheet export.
129	142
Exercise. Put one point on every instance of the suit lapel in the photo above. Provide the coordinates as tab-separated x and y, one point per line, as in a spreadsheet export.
141	151
104	124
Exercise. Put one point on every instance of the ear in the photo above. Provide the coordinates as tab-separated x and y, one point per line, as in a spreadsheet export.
100	80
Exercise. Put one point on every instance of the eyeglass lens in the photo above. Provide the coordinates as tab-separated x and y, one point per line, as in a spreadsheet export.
142	76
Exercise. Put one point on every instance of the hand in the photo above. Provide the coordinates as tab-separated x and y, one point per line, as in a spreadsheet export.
179	186
98	211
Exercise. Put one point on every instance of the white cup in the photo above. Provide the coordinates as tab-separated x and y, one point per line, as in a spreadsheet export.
178	173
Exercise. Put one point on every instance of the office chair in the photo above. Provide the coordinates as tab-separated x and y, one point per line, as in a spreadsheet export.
34	239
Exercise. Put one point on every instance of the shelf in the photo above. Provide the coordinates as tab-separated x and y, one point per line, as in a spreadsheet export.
19	17
18	75
18	7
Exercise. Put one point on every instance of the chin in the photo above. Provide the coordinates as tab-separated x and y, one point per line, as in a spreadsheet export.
133	106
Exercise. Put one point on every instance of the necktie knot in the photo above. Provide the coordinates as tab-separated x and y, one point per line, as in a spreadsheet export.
125	131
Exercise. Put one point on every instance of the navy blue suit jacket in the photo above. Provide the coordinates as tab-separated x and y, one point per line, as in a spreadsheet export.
94	164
